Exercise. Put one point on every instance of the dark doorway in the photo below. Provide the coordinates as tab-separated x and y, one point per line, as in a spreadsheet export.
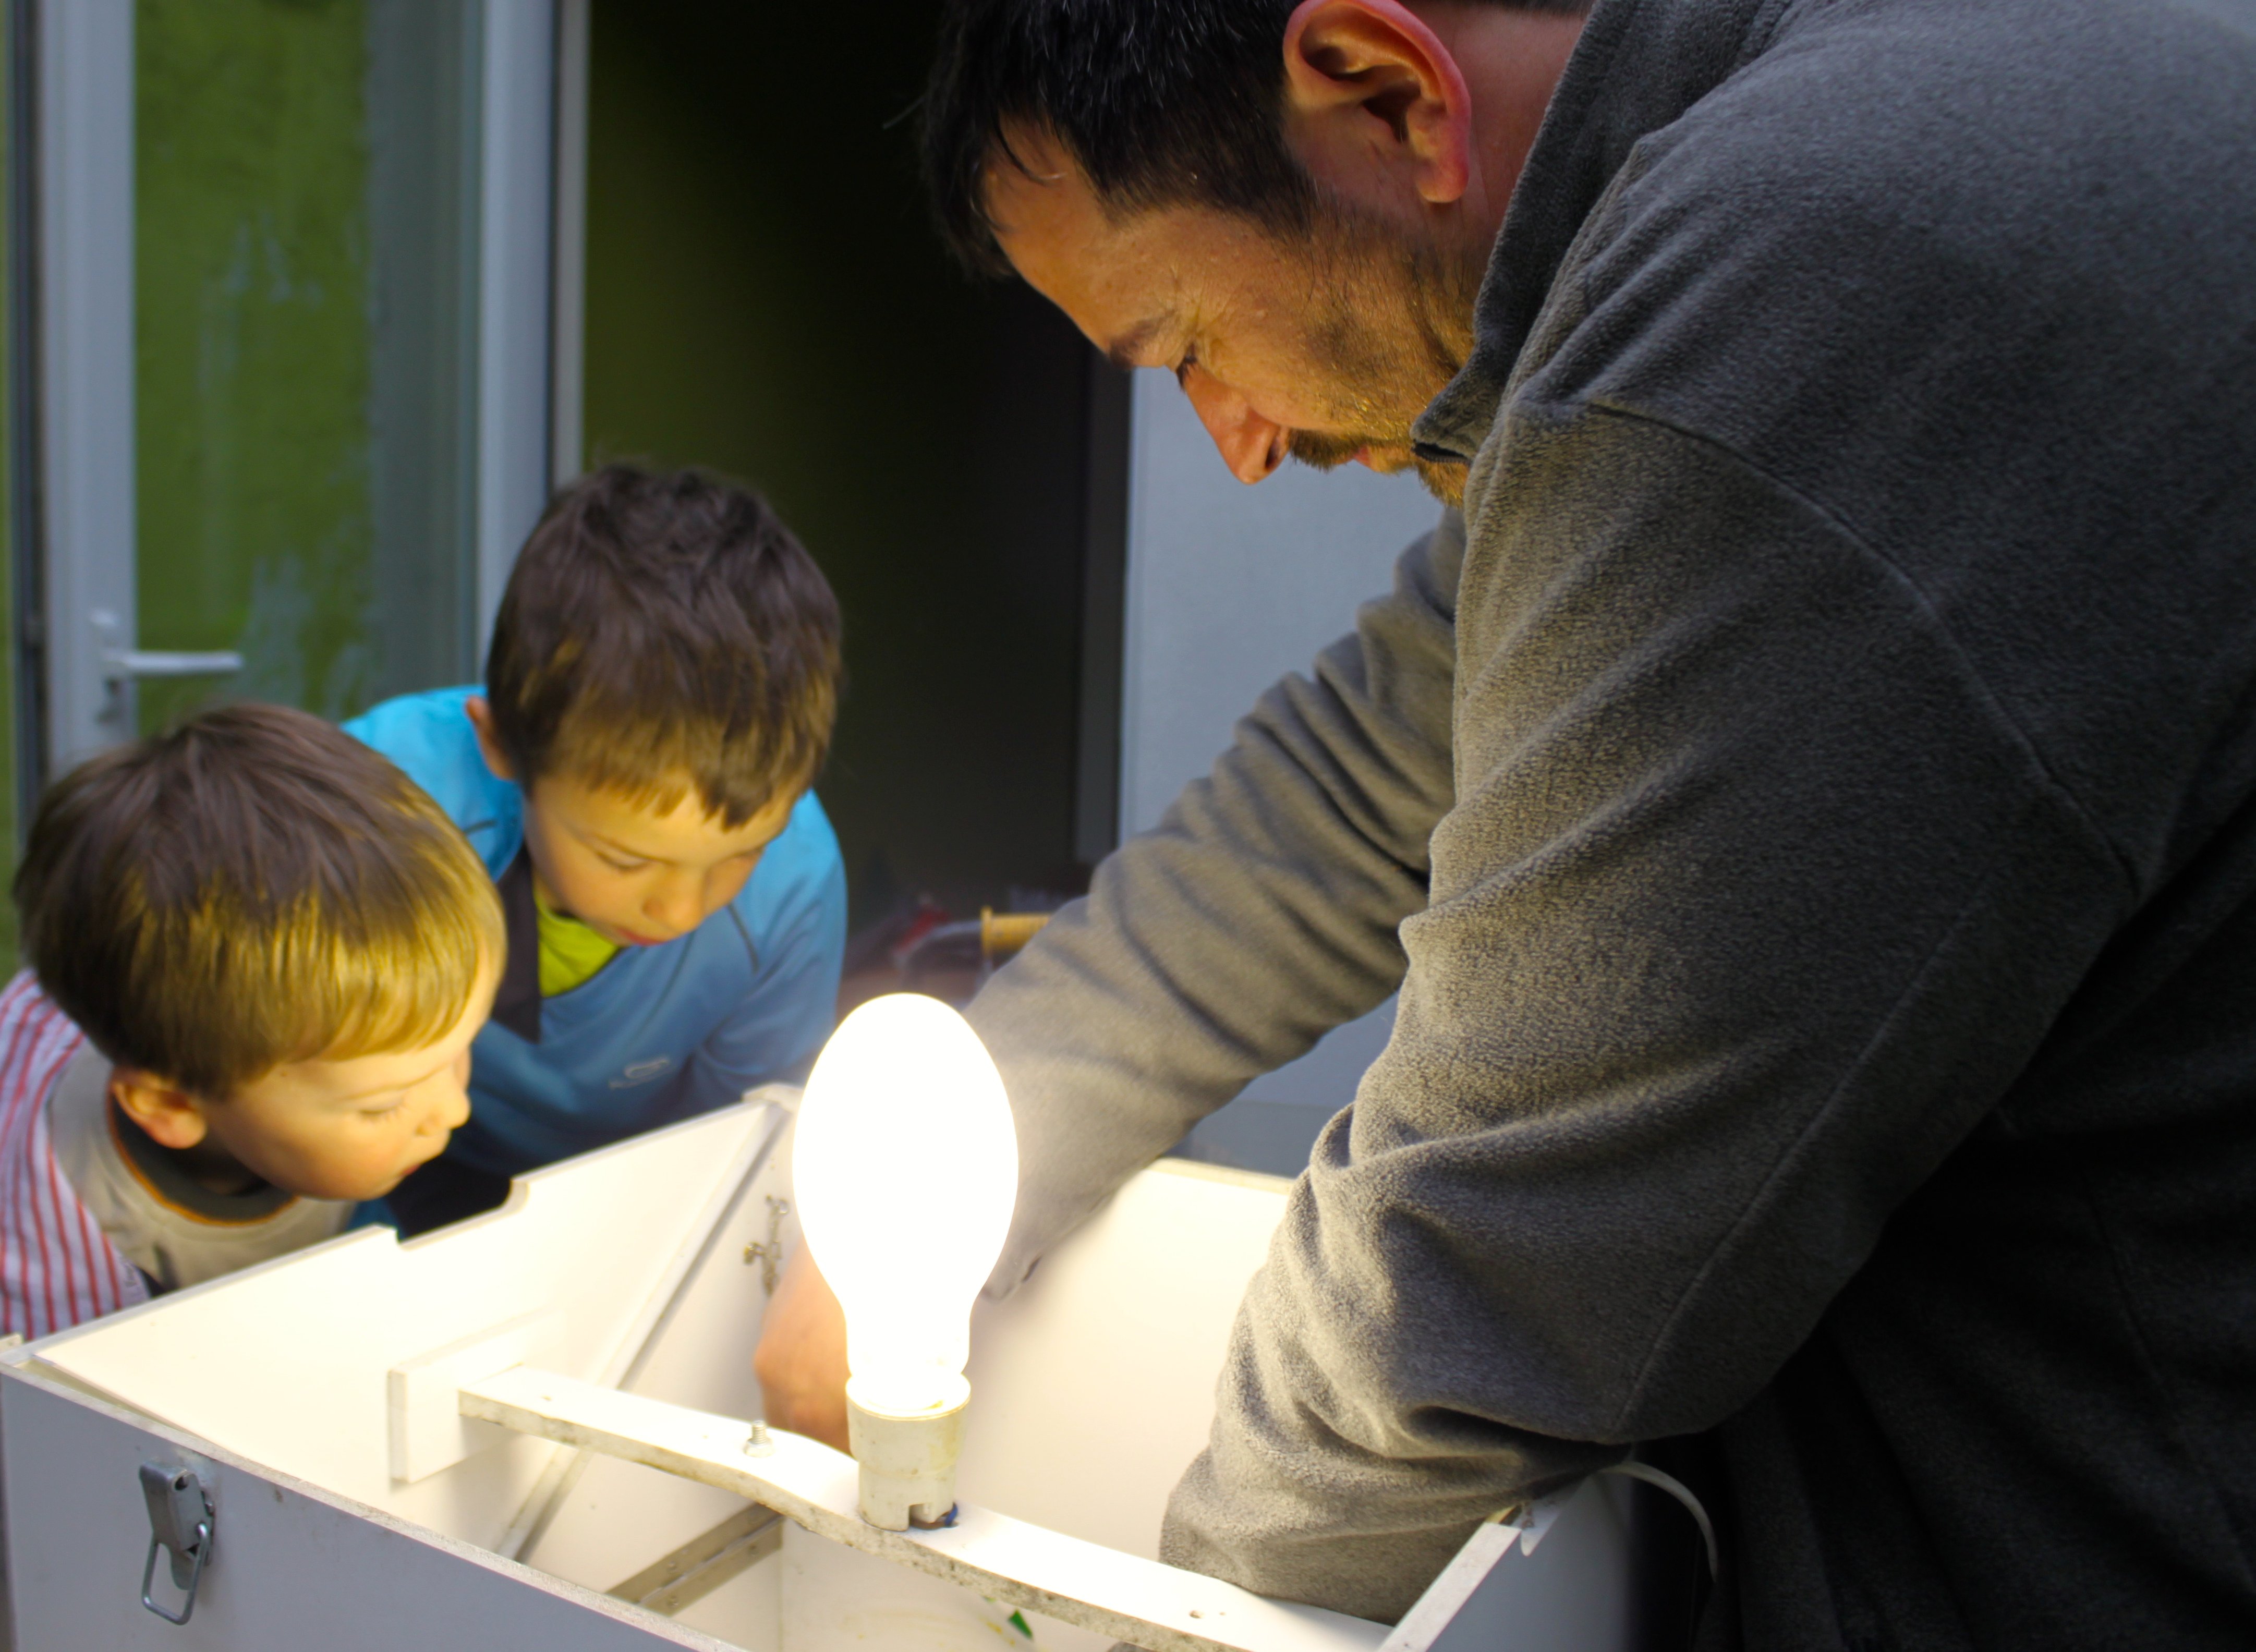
765	297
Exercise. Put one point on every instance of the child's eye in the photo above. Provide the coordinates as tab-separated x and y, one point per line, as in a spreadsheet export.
1184	366
623	865
386	1110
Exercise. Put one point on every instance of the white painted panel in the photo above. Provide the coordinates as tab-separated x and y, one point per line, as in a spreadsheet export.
746	1610
616	1517
832	1596
428	1430
293	1568
1128	1317
1094	1385
1570	1594
1100	1370
992	1555
604	1238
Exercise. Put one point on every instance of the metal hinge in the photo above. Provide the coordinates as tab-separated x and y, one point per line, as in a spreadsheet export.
180	1521
769	1253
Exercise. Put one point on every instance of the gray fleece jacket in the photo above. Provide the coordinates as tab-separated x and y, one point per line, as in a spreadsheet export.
1808	803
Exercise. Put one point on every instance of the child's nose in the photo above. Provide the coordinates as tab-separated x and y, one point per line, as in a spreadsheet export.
674	905
450	1109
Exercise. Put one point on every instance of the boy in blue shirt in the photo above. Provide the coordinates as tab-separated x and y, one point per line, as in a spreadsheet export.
659	696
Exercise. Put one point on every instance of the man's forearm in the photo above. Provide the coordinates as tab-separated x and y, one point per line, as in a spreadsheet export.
1260	913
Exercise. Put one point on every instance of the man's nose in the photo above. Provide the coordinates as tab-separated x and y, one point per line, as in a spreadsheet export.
1251	445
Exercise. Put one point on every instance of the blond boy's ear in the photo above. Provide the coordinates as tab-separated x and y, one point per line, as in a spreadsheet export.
481	715
167	1114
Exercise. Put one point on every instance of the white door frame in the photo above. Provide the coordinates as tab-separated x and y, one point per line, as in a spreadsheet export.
517	215
81	174
84	302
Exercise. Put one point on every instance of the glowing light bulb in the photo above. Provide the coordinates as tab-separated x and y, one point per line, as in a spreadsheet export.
905	1173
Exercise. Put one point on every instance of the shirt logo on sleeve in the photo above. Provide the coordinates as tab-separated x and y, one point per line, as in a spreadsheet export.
642	1072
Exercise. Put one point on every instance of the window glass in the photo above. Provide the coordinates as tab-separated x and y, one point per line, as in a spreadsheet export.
302	375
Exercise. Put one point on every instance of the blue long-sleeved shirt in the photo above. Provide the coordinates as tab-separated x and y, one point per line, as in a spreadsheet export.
661	1033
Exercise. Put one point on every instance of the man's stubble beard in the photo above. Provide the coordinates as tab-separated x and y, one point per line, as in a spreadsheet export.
1393	324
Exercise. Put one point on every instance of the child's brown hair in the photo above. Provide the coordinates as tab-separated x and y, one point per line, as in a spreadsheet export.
657	627
253	887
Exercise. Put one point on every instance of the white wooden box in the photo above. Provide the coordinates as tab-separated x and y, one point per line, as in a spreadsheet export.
295	1391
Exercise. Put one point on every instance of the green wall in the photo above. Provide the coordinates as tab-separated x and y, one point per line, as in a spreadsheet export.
251	270
765	297
300	364
301	378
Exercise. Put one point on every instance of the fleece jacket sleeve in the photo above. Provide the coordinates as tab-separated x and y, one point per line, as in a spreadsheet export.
1259	914
1751	904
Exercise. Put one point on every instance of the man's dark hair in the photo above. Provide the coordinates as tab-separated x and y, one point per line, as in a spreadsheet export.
657	627
253	887
1163	102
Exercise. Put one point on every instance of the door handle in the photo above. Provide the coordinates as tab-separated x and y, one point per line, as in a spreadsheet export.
127	665
159	662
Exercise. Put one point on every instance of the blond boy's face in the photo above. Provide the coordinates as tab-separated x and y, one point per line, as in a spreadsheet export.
637	875
325	1129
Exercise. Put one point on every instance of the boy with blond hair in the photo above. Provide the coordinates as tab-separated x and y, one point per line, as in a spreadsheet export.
636	775
258	955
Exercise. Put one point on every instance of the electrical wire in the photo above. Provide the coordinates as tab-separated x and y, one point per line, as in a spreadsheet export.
1682	1493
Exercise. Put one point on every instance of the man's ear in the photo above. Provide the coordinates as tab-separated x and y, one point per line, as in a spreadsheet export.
482	723
1374	102
167	1114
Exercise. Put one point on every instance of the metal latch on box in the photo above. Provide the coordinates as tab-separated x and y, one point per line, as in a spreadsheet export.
180	1521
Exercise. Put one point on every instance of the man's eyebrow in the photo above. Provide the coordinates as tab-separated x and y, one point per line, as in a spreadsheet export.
1127	351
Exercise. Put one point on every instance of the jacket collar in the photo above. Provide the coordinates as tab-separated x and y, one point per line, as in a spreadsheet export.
516	1000
1638	66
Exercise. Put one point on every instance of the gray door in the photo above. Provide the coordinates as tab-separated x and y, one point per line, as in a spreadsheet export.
293	312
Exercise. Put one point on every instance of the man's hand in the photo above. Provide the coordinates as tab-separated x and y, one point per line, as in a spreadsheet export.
802	1359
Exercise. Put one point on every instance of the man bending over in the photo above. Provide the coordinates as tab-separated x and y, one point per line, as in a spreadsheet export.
1804	789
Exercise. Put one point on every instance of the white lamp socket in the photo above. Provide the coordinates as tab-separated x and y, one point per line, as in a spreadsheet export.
907	1462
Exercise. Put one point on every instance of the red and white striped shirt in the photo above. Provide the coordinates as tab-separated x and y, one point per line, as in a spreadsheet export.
57	1268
